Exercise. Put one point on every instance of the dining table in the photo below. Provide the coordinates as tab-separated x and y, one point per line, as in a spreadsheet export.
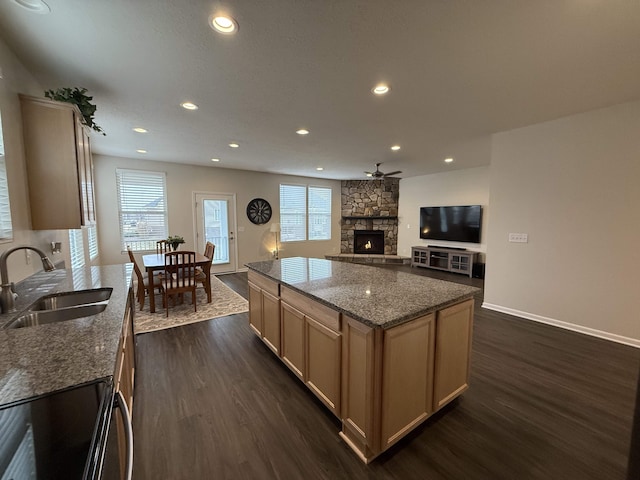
154	262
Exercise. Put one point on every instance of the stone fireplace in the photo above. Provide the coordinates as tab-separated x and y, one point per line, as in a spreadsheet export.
370	207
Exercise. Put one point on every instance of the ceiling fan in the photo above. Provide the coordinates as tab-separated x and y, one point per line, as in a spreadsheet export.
379	174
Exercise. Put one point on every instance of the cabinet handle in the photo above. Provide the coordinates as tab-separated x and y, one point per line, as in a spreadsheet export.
122	405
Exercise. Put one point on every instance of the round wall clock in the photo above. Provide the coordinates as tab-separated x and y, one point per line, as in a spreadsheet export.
259	211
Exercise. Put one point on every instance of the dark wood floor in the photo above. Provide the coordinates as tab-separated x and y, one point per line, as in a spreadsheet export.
212	402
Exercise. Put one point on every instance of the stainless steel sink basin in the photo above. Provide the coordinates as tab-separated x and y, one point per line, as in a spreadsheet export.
71	299
60	315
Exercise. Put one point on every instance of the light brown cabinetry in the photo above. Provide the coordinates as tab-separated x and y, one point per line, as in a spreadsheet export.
381	382
312	346
124	380
264	309
59	165
453	352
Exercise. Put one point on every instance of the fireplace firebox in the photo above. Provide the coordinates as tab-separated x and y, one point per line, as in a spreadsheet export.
368	241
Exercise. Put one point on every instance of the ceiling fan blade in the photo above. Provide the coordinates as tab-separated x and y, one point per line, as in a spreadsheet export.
392	173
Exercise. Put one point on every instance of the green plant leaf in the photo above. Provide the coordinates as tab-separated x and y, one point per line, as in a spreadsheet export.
79	97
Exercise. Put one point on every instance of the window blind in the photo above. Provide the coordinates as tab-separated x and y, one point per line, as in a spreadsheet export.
92	233
76	248
293	213
319	213
142	208
6	230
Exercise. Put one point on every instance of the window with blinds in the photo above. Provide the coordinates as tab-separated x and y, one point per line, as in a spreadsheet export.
6	230
142	208
319	213
92	233
76	248
305	213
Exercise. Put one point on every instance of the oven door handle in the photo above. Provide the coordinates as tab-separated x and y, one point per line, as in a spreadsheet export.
121	403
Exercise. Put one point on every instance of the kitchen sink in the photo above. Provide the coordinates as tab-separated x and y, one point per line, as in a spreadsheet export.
71	299
43	317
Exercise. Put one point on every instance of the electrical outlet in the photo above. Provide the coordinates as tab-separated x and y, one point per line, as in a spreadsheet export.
519	237
27	257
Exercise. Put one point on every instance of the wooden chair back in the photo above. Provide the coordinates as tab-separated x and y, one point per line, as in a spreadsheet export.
180	275
140	287
162	246
209	250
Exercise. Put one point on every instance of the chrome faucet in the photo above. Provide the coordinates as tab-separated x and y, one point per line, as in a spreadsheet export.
7	293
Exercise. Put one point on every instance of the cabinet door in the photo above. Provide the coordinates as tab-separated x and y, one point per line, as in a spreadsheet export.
271	321
293	339
453	351
255	308
324	348
359	422
407	377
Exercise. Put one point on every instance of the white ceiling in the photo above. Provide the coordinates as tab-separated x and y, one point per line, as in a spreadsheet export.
459	70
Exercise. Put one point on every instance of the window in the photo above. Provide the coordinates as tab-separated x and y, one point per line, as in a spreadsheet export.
92	232
6	230
305	213
142	208
76	248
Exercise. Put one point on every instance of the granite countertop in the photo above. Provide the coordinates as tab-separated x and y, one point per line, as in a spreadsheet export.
377	297
45	358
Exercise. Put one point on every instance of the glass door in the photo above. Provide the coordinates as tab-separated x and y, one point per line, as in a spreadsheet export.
215	223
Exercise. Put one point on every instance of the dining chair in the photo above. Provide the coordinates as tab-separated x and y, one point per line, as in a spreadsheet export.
203	274
142	281
179	277
162	246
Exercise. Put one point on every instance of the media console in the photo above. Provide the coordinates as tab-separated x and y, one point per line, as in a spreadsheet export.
442	258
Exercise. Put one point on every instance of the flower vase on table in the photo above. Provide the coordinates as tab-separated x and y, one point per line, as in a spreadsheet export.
175	241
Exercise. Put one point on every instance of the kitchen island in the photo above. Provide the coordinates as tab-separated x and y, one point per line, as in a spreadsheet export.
382	349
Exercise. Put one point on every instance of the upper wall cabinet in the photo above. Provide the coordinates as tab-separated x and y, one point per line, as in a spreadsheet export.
59	165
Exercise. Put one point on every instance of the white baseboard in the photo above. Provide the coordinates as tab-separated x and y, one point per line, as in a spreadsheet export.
567	326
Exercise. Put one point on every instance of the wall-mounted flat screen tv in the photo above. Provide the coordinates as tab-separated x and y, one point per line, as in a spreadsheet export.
456	223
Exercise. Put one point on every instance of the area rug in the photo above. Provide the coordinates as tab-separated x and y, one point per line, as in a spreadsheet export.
224	301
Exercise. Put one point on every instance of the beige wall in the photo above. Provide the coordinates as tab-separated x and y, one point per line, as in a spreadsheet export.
460	187
255	242
16	79
573	186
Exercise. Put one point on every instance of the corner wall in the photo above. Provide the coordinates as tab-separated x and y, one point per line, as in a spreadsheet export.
573	186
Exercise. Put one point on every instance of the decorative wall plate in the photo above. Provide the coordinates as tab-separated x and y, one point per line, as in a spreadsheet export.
259	211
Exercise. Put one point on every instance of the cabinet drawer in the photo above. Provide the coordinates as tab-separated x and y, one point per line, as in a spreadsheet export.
264	283
320	313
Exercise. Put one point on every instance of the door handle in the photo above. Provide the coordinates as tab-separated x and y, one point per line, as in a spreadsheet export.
128	428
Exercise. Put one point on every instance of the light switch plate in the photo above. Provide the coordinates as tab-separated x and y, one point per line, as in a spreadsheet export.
519	237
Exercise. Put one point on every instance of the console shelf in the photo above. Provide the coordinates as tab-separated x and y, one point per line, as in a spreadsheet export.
447	259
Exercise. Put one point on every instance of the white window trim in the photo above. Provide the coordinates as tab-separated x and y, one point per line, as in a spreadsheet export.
306	213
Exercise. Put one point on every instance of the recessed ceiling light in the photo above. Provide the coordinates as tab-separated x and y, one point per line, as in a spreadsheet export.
319	169
448	160
381	89
35	6
302	131
234	145
369	174
141	151
395	148
223	24
140	130
215	159
189	105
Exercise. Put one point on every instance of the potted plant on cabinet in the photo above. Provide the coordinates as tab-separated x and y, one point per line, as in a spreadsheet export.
79	97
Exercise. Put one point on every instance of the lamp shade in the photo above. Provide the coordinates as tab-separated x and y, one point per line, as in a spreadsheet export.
275	228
